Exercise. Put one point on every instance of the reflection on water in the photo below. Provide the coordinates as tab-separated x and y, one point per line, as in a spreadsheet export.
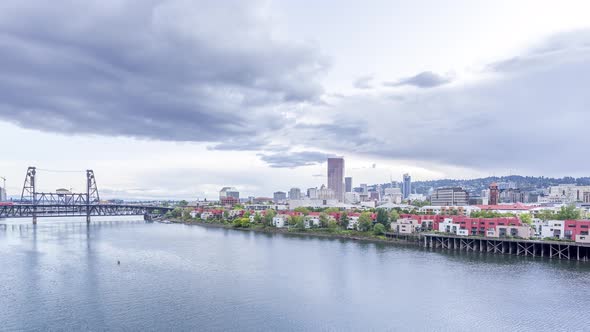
63	275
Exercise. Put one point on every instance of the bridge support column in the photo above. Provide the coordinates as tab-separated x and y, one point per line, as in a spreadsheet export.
34	220
87	219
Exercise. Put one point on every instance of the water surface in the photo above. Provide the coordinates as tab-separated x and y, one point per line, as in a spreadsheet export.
63	275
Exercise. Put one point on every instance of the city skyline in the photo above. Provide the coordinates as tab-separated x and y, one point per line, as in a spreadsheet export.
265	105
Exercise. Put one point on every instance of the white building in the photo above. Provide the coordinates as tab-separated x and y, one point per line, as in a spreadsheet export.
206	215
447	226
566	194
353	222
393	195
315	203
553	228
311	220
352	198
417	197
461	210
280	220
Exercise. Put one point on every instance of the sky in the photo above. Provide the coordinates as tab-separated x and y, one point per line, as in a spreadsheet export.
176	99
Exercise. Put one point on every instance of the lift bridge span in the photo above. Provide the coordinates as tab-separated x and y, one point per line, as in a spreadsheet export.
35	204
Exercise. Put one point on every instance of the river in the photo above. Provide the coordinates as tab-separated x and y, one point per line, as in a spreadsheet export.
63	275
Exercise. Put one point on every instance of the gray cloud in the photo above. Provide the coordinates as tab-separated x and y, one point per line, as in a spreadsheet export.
363	82
174	70
425	79
518	118
294	159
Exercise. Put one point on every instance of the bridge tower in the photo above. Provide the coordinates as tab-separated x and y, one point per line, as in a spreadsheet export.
29	193
92	196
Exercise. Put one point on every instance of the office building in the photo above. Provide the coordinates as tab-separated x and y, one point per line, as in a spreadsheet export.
348	184
407	186
452	196
312	193
336	177
279	196
295	193
229	192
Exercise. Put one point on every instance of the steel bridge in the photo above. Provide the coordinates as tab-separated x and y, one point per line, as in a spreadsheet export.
35	204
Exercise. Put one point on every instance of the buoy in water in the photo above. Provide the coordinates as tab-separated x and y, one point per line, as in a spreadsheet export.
118	262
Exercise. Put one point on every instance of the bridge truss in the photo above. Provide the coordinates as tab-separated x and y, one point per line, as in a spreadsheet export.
35	204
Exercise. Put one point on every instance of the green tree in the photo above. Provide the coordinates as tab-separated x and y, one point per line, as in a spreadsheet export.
186	214
365	222
382	217
182	203
297	222
257	218
324	219
332	225
526	218
546	215
331	210
225	214
378	229
393	215
268	215
176	212
303	210
344	220
569	212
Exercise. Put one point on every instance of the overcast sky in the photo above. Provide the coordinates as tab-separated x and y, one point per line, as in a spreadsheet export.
180	98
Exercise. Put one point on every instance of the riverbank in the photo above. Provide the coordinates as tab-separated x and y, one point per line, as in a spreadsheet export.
321	232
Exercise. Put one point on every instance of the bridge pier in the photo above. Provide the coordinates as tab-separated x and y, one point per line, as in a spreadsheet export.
34	220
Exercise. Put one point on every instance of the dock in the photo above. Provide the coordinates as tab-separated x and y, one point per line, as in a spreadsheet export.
508	246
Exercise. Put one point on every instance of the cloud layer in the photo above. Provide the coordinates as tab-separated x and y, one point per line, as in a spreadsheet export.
188	71
424	80
166	70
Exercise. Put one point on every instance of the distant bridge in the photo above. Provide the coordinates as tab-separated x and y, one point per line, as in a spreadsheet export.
35	204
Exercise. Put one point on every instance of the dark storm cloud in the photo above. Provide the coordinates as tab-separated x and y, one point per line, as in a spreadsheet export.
425	79
166	70
294	159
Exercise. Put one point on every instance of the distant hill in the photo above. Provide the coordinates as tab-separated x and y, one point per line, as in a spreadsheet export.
529	183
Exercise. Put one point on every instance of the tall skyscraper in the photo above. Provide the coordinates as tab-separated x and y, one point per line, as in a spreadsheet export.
407	185
336	177
348	184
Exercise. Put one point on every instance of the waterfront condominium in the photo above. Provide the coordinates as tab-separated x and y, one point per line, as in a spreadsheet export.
336	177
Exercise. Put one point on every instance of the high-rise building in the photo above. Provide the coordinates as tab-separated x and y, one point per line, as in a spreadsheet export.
229	192
295	193
407	187
348	184
3	197
453	196
336	177
312	193
279	196
364	188
494	196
